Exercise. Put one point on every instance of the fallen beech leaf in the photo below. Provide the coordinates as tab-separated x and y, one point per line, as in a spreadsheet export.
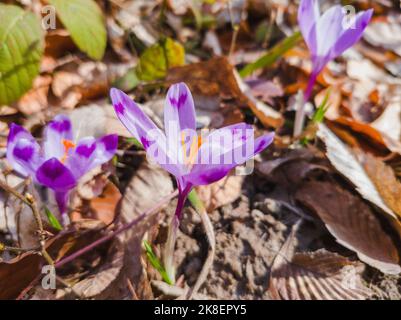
17	274
353	223
385	181
319	275
148	185
104	207
103	281
221	193
216	80
344	160
35	99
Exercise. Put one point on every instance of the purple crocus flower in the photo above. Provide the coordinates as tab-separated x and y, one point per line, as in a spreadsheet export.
328	35
59	162
192	159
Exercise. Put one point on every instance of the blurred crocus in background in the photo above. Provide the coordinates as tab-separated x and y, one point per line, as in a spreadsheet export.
59	162
327	36
192	159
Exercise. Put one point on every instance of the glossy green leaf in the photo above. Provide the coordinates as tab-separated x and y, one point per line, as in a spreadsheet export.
86	24
21	49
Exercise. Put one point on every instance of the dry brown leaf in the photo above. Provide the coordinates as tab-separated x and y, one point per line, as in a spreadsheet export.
148	185
221	193
104	207
103	282
216	80
35	99
353	223
385	181
319	275
344	160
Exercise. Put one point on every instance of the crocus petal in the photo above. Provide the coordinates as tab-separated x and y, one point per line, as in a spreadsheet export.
23	152
328	28
352	34
145	131
179	120
57	131
54	175
62	200
203	173
308	15
179	110
90	153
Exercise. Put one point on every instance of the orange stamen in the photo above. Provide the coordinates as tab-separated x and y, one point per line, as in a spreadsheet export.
68	144
193	150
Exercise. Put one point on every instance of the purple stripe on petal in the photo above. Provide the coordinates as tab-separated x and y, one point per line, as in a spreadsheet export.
54	175
110	142
24	153
119	107
86	150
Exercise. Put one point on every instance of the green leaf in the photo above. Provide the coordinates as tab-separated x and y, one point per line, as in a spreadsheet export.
21	48
86	24
128	81
318	116
155	262
53	220
157	59
272	55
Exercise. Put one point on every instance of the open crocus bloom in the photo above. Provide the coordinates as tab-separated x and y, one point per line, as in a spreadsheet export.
330	34
59	162
194	160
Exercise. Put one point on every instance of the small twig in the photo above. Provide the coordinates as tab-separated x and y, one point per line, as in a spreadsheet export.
17	250
235	26
30	201
115	233
101	240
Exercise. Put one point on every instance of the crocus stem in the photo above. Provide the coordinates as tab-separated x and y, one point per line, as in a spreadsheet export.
62	201
172	235
300	113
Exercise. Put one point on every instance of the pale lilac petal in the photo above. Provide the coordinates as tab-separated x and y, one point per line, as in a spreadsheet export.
54	175
57	131
328	29
145	131
23	152
203	174
351	35
131	115
308	15
90	153
179	109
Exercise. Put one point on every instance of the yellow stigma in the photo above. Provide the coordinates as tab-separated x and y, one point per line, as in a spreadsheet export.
68	144
193	150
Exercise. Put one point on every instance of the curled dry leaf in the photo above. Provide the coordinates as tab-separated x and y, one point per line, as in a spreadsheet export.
221	193
353	223
344	160
216	79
